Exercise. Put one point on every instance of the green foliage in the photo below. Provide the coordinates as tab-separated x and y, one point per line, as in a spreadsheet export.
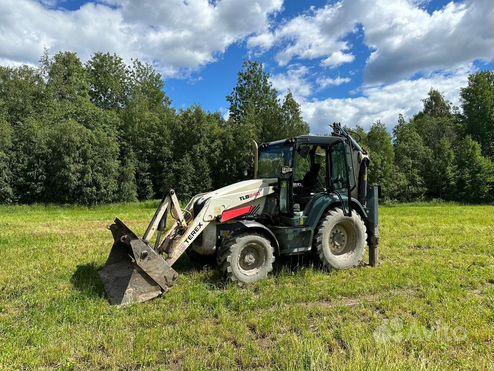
146	134
438	127
478	110
104	131
382	169
440	171
475	173
146	83
82	165
67	77
434	280
86	134
6	193
254	105
127	185
22	93
29	160
254	102
256	114
428	158
293	124
435	105
109	78
184	181
196	147
410	155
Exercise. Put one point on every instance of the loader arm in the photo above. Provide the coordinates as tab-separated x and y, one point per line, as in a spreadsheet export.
213	209
135	271
170	200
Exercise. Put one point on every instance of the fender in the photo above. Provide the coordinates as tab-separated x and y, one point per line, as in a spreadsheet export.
253	225
323	201
357	205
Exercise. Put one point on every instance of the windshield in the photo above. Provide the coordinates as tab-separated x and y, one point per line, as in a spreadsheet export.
272	159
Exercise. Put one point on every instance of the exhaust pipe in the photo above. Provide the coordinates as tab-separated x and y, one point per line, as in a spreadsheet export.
256	159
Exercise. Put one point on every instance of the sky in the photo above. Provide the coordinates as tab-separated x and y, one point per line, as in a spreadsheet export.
349	61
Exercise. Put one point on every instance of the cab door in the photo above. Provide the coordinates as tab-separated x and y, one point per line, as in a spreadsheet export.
342	178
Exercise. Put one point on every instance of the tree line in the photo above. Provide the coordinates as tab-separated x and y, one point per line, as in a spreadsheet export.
104	131
440	153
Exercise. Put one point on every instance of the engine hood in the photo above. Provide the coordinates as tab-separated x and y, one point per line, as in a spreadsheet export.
245	186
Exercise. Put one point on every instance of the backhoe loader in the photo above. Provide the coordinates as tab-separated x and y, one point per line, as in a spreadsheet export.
309	195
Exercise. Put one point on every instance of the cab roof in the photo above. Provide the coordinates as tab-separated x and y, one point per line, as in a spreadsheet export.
309	139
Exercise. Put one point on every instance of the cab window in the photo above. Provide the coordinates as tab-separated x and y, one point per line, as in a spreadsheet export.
338	167
272	159
310	167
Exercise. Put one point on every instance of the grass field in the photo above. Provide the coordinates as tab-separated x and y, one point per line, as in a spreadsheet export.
429	305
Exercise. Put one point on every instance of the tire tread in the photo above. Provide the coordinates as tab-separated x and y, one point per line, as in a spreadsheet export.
225	255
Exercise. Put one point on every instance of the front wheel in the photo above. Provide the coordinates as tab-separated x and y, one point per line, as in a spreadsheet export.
340	240
246	258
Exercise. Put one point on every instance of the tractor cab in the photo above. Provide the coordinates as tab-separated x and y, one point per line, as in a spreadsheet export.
315	174
307	166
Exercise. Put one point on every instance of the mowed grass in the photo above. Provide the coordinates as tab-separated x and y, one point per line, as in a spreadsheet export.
429	304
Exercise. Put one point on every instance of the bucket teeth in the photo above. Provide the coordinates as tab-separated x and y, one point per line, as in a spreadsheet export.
134	272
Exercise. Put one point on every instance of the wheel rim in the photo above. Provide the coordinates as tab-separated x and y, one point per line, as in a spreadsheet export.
340	238
251	258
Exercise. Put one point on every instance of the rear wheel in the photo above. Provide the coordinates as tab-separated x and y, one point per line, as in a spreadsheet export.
340	240
246	258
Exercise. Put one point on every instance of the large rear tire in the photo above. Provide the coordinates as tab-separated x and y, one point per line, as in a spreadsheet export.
246	258
340	239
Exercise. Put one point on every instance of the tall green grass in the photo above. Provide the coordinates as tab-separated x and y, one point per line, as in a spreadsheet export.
429	304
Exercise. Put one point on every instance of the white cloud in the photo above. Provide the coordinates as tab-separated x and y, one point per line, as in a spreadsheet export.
337	58
294	80
383	102
174	35
405	41
313	35
404	37
325	82
417	41
179	36
303	82
264	41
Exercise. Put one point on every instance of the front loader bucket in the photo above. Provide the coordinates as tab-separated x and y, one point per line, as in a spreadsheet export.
134	272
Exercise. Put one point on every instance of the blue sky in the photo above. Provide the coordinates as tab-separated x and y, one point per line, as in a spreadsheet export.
209	86
353	61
